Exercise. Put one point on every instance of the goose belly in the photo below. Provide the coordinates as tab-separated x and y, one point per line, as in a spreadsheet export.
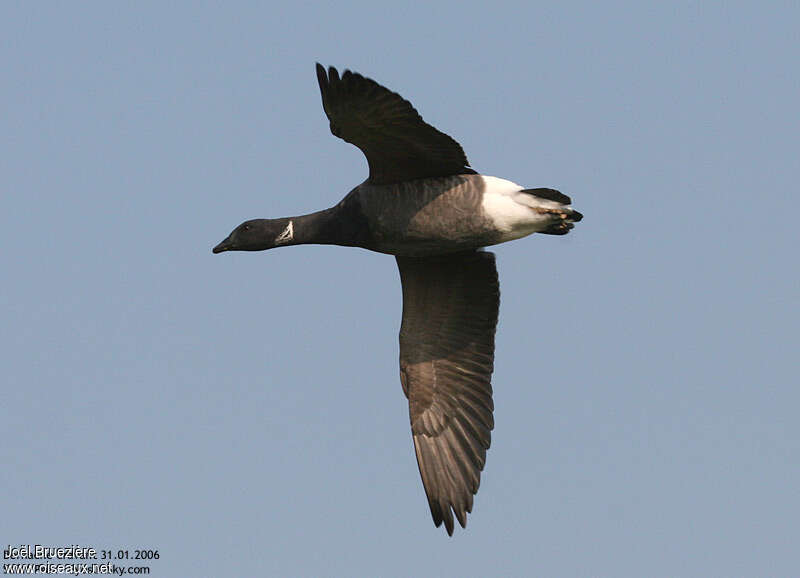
427	216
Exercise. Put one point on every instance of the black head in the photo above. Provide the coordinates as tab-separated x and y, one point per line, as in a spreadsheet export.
257	235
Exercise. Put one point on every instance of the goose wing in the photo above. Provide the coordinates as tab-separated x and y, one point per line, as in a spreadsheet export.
398	144
450	306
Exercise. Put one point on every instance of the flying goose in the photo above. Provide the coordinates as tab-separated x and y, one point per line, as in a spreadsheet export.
423	204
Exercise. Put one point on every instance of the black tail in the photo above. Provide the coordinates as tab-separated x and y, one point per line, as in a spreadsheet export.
550	195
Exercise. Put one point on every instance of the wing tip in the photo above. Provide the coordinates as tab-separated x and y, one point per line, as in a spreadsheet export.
443	514
329	75
322	79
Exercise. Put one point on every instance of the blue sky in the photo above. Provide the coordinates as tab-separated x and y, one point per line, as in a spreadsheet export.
242	413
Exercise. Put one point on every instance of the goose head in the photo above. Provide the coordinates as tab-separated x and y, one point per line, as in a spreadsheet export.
258	235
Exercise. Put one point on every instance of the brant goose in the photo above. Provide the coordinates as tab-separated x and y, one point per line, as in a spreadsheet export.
423	204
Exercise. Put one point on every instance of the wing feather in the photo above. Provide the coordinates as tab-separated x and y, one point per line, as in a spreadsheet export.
450	306
398	144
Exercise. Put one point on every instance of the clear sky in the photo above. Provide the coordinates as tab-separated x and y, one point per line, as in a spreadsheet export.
242	413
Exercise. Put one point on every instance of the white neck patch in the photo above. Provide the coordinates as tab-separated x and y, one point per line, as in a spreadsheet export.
287	235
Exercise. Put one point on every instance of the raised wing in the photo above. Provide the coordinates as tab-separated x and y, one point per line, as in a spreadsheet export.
398	144
450	306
